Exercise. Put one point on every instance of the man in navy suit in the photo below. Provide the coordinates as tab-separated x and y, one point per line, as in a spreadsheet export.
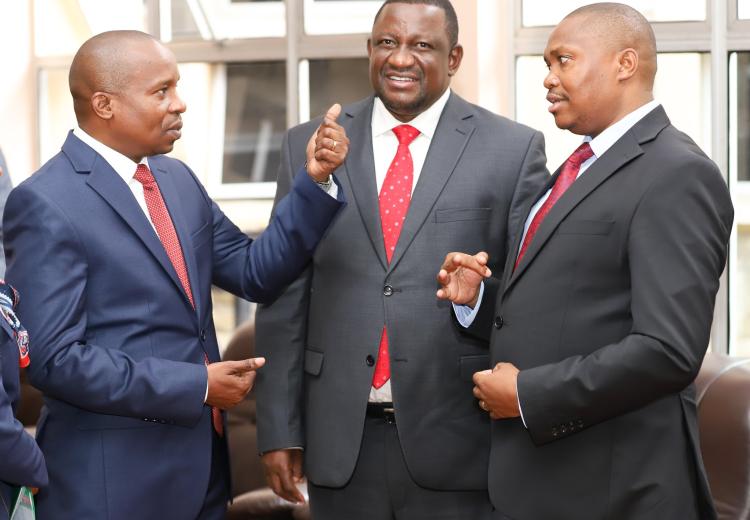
23	463
115	248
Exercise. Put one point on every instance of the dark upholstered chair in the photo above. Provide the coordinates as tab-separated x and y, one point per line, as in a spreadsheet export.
723	394
252	499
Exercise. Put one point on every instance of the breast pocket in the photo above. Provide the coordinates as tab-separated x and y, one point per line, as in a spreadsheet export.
586	227
313	362
462	214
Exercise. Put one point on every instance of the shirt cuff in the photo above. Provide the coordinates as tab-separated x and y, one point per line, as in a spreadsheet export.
518	397
205	397
332	189
465	314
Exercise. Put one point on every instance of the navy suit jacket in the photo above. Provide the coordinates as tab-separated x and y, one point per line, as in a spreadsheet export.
22	461
118	351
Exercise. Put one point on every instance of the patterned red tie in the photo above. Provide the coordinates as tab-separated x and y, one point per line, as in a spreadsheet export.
566	178
395	196
157	209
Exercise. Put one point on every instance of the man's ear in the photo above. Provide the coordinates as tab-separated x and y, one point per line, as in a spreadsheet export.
101	104
454	59
627	60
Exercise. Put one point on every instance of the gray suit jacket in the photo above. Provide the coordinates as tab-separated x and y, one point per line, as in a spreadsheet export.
477	181
608	317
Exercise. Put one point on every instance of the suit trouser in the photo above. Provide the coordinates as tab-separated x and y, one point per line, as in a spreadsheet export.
217	494
381	487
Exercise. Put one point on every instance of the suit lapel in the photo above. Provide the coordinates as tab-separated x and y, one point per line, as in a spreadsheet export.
510	261
110	187
175	208
360	170
622	152
448	143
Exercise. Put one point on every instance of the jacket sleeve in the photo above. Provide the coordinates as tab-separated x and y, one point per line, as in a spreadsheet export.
23	463
281	329
259	270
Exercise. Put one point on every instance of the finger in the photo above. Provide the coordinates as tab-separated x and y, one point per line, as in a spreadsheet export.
482	257
494	416
275	483
497	367
297	466
478	392
469	262
479	376
482	405
448	264
330	157
333	113
248	365
290	490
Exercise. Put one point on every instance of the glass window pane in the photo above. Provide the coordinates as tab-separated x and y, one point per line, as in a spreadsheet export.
740	115
337	81
255	121
56	116
340	16
182	24
740	287
61	26
542	12
743	9
222	19
682	81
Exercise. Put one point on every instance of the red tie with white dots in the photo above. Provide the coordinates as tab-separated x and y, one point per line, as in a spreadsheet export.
395	196
157	209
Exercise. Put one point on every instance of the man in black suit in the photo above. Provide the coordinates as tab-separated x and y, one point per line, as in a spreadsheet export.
606	302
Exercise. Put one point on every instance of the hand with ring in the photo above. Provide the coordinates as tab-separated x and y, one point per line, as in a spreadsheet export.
328	147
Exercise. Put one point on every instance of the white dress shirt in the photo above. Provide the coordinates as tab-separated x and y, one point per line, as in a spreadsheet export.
599	145
384	146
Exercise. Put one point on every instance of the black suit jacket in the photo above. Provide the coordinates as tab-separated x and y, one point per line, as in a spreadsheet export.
608	317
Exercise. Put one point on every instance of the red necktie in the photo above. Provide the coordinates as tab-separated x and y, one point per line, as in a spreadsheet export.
171	242
395	195
566	178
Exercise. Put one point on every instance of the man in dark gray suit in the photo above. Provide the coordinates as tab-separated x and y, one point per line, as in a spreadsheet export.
364	371
607	298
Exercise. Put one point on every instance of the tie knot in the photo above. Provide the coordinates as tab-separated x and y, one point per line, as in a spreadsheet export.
143	175
581	155
405	134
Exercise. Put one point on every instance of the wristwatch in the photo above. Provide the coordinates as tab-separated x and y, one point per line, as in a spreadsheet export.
326	184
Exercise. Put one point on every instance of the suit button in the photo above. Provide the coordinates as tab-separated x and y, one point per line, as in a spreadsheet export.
387	290
498	322
203	335
370	360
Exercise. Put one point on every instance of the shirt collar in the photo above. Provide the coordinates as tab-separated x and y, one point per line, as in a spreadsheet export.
124	166
426	122
604	141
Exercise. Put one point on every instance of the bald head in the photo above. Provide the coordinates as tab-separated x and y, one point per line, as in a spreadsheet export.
619	27
104	63
124	87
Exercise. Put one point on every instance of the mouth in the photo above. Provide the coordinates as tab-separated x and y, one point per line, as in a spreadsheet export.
401	80
555	100
175	130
